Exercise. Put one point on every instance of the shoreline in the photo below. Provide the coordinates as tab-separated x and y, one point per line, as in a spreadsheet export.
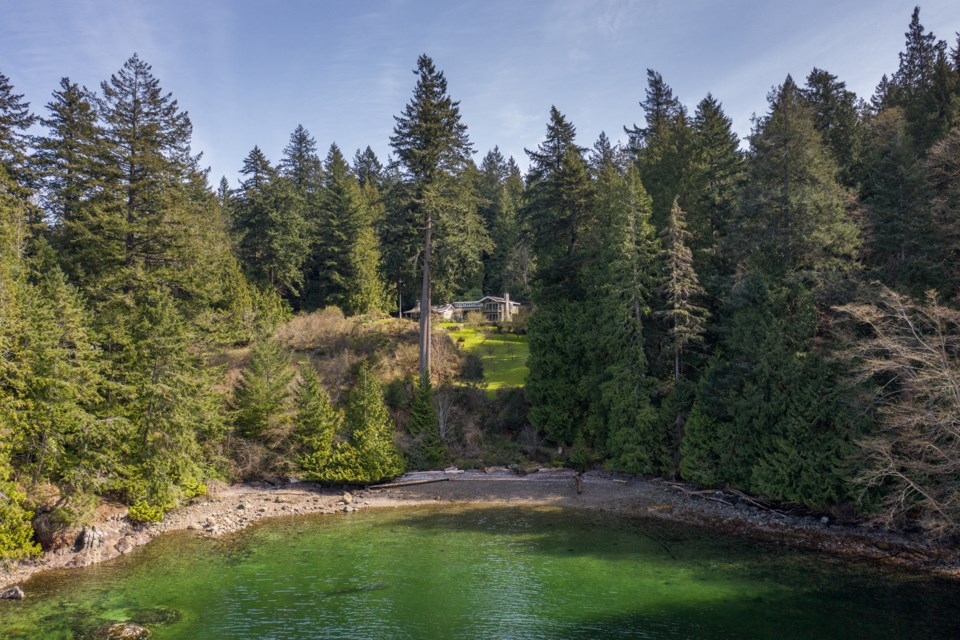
236	507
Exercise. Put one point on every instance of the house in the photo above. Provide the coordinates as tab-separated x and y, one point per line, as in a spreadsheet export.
493	308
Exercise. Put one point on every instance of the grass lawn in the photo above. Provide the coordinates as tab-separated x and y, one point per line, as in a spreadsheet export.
504	355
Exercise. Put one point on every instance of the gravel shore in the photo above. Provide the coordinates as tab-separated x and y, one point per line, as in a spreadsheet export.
236	507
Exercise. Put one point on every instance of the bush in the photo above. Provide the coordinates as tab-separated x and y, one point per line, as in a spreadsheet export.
146	512
16	534
472	369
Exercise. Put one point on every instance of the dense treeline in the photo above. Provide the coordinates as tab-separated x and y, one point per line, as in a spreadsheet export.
779	319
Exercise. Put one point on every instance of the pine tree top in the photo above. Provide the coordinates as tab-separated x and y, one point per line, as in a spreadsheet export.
429	135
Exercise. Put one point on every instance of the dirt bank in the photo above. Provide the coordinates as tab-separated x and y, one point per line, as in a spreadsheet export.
236	507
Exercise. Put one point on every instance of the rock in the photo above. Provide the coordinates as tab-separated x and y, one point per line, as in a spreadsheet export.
13	593
155	615
88	539
242	506
123	631
124	546
825	520
348	509
211	520
346	497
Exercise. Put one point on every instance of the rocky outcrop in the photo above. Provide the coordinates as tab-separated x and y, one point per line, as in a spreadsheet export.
89	539
13	593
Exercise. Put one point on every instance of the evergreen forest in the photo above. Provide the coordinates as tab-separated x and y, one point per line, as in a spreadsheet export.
779	315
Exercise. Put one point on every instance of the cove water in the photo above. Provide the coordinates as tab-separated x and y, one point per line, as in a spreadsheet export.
481	572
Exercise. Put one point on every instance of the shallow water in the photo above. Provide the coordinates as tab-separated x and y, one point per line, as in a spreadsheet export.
482	572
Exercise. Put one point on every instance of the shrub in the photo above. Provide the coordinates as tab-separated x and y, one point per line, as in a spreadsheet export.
16	534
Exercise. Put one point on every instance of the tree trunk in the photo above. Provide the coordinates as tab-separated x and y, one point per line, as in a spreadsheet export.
425	302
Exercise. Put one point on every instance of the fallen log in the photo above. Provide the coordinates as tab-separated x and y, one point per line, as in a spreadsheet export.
408	483
758	505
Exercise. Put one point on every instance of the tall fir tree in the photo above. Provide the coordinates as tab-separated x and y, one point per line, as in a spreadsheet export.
716	179
662	149
680	290
767	402
15	122
559	214
836	117
368	168
433	148
794	215
300	162
268	218
622	421
899	232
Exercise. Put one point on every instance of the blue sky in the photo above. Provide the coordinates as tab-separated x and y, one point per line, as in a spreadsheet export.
249	71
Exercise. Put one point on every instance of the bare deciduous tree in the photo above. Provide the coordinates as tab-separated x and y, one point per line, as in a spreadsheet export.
913	456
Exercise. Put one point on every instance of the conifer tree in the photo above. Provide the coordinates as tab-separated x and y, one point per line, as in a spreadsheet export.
300	163
680	289
367	168
622	421
15	122
763	406
327	268
364	291
559	213
716	178
921	85
506	266
835	116
261	397
317	423
943	178
269	220
899	232
71	159
16	534
794	213
370	429
663	148
224	194
432	146
424	424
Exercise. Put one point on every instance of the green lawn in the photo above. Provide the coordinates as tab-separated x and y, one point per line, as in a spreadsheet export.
504	355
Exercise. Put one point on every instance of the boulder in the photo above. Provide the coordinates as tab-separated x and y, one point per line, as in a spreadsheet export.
124	546
346	497
13	593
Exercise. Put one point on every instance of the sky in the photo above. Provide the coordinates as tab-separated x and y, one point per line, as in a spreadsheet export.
248	72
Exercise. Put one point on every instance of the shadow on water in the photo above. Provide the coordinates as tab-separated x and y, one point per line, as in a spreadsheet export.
797	593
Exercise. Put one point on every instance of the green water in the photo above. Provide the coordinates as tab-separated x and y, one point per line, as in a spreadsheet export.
481	573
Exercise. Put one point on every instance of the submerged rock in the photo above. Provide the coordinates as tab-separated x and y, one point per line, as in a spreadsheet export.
13	593
123	631
155	615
